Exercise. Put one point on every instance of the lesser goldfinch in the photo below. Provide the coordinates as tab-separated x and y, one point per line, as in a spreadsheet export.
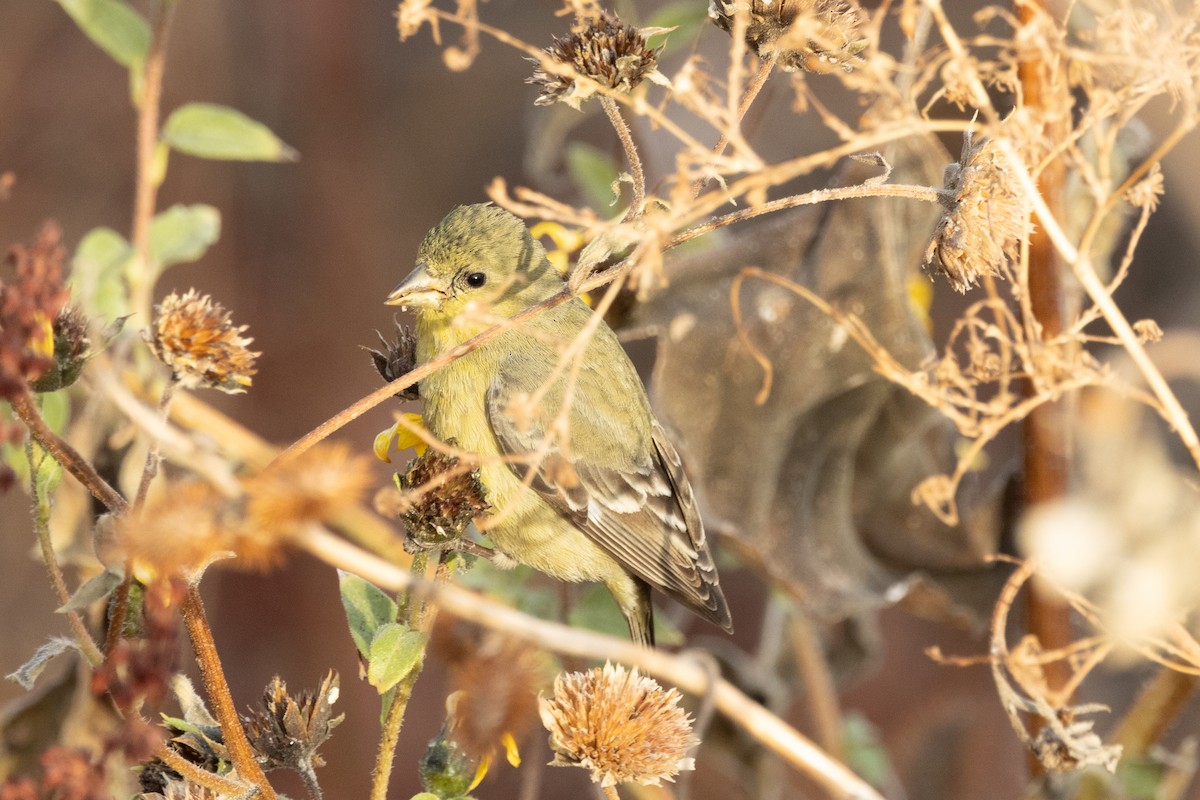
608	499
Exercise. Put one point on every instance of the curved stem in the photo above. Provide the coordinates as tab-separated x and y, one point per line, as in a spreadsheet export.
25	408
631	155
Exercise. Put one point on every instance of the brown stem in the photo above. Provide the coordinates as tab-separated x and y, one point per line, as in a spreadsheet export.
146	187
1044	432
819	688
217	689
120	607
752	89
223	786
25	408
41	522
610	793
631	155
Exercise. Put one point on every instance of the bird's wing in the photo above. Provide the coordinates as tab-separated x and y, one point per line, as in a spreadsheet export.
627	493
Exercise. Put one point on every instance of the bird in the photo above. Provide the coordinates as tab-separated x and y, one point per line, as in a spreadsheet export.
607	500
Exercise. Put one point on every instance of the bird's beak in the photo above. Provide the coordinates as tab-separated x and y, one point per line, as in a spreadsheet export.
418	290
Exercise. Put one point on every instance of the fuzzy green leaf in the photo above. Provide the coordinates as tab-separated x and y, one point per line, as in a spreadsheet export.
97	273
395	652
94	588
114	26
368	608
213	131
182	234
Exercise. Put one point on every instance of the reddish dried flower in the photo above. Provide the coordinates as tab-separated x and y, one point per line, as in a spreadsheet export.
196	338
28	307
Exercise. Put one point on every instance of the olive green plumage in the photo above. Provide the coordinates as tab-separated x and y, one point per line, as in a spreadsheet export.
608	500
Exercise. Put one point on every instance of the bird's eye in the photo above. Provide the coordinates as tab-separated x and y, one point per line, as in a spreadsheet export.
476	279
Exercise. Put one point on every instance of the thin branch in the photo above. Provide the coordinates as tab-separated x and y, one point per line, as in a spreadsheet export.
765	66
681	670
154	452
146	188
41	522
217	688
26	409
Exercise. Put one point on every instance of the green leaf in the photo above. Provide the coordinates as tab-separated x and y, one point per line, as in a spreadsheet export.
513	586
596	610
94	588
97	271
865	754
56	410
114	26
687	17
182	234
594	173
395	652
213	131
368	608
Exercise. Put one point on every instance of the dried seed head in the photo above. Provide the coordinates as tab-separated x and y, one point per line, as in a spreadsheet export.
29	304
196	338
397	358
71	351
605	50
176	534
446	497
287	731
313	487
986	218
621	725
493	680
812	35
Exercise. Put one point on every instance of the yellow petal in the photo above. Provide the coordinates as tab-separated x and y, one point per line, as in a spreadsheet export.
402	435
480	772
510	749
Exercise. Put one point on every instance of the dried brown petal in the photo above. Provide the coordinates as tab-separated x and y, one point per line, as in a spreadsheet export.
397	358
605	50
196	338
313	487
287	731
621	725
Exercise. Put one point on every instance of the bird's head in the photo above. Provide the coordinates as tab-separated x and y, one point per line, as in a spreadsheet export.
479	257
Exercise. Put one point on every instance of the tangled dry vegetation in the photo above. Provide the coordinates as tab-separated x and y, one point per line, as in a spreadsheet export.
819	328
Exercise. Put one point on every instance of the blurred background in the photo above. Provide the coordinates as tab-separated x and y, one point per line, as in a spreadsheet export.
389	140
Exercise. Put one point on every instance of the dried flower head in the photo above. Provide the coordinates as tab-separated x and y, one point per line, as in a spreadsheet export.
176	534
287	731
29	304
494	681
196	338
444	498
621	725
606	51
313	487
397	358
72	348
812	35
986	218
